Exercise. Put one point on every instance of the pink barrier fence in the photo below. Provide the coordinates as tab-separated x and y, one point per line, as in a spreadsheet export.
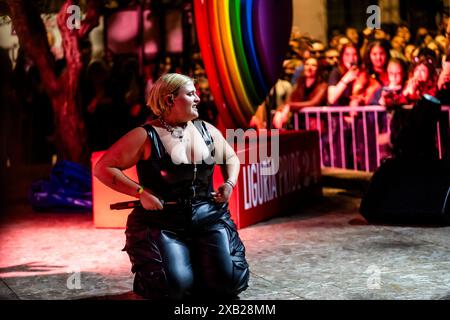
361	143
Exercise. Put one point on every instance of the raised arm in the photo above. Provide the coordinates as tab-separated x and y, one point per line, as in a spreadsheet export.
336	90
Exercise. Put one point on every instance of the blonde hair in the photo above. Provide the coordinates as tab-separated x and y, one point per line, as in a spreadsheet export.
168	84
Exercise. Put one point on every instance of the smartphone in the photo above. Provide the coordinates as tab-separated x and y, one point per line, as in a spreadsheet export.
354	65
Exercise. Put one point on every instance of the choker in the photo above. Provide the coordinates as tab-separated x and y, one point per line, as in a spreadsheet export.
176	132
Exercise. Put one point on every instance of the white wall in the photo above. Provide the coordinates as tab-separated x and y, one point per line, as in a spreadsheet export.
310	16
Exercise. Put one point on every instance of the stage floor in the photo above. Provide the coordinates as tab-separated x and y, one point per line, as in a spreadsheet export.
325	251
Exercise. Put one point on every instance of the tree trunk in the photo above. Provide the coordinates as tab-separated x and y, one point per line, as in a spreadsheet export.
70	131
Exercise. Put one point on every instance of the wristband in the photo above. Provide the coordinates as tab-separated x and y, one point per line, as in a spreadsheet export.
140	190
229	182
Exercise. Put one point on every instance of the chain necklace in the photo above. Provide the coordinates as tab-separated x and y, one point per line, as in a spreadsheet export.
176	132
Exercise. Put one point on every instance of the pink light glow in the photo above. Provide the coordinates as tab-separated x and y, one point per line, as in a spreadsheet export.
122	31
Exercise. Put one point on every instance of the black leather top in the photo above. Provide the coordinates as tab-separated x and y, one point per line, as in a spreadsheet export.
170	181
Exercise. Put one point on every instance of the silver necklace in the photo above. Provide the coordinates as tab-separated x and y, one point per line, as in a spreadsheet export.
176	132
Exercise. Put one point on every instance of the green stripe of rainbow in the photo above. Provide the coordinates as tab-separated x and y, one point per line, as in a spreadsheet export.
226	42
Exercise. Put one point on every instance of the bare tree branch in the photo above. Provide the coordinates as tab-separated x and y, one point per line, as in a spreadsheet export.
71	38
32	38
70	131
92	17
71	48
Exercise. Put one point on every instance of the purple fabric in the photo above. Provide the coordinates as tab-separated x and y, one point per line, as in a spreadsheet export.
272	24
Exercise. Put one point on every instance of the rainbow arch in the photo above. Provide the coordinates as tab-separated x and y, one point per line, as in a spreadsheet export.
243	44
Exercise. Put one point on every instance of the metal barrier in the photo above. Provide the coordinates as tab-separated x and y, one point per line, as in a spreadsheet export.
361	142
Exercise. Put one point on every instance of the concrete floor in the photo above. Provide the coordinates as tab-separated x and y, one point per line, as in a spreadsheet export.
325	251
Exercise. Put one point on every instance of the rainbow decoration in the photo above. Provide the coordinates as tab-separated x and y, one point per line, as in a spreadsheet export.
243	44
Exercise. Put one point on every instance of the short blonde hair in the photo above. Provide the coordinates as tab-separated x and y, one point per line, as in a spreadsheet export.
168	84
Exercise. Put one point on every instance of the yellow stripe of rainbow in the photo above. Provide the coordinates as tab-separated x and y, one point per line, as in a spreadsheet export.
233	67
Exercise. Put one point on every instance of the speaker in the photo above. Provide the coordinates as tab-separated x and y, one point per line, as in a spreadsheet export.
413	186
409	192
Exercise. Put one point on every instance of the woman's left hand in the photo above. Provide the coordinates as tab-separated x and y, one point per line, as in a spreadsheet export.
223	193
281	116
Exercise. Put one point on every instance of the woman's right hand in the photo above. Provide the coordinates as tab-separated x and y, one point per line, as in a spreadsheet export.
281	116
350	75
150	202
411	87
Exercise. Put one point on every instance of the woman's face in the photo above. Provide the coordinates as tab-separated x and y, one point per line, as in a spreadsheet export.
433	46
311	66
441	40
409	52
395	74
378	57
350	57
421	73
185	103
404	33
398	43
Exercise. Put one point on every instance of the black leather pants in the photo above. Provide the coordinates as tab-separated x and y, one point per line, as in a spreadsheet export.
186	252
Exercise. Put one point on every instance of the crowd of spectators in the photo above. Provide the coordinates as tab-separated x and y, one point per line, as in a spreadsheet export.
373	67
356	68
